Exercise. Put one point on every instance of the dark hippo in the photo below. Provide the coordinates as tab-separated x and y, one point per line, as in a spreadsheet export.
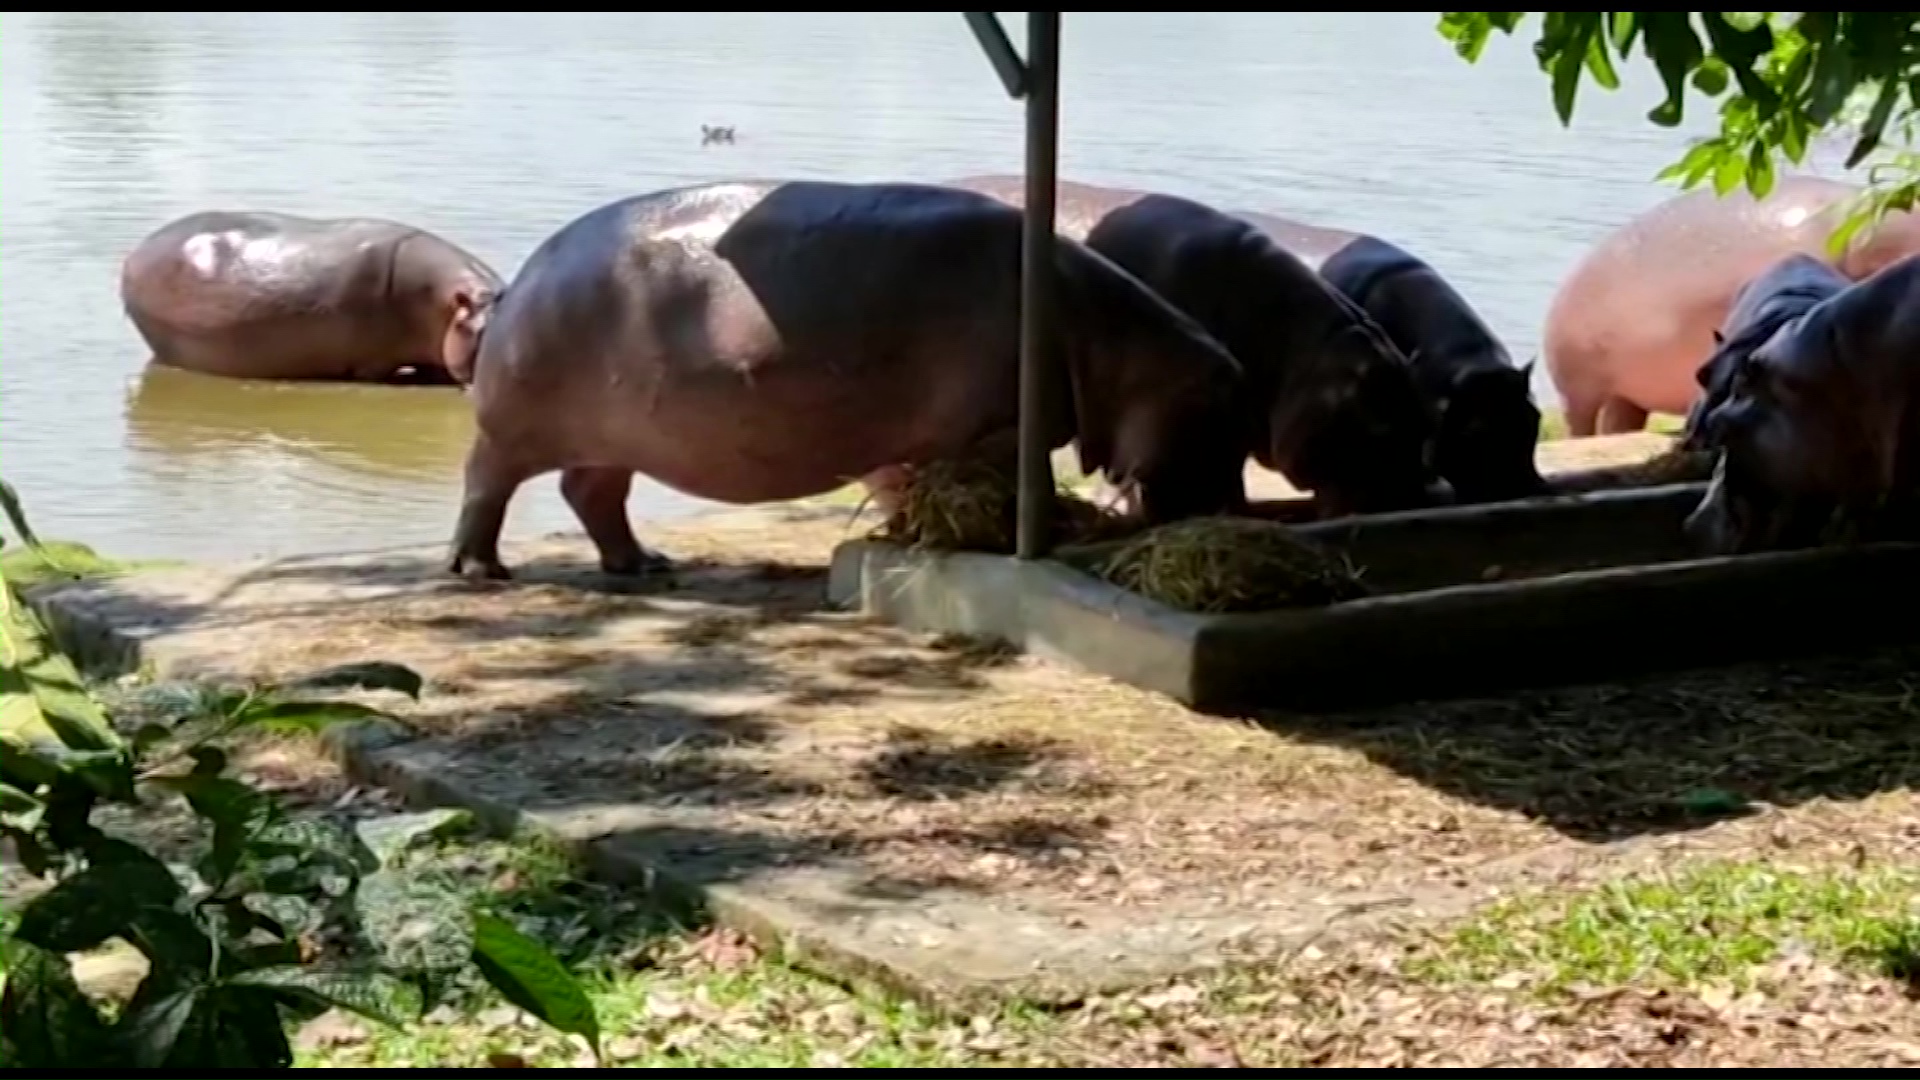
273	296
1489	425
1788	290
1342	417
1633	322
756	342
1821	424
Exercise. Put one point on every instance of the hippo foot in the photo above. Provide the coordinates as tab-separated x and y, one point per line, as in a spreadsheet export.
638	563
474	568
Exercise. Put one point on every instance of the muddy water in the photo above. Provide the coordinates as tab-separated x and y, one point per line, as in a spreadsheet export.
496	128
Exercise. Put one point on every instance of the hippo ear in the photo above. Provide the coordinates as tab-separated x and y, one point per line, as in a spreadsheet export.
1526	370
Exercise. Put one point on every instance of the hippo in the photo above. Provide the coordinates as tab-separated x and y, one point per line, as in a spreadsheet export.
274	296
1343	418
1821	424
1786	291
1489	425
1631	325
761	341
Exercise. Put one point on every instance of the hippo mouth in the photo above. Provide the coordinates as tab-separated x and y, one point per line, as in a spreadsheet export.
1738	516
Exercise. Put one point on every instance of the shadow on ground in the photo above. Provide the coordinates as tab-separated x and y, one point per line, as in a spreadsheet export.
1660	754
723	719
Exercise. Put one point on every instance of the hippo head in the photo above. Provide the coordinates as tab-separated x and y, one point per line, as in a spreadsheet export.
1714	378
1798	446
1357	431
1159	405
1489	431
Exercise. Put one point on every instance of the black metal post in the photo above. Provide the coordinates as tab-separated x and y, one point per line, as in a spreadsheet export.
1037	273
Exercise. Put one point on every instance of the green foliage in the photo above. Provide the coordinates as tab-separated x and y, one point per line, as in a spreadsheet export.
1779	78
234	942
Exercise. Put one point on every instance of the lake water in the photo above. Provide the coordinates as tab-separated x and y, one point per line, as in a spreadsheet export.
494	129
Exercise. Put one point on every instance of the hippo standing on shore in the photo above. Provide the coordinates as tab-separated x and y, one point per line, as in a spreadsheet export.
757	342
273	296
1631	325
1822	423
1788	290
1342	417
1489	425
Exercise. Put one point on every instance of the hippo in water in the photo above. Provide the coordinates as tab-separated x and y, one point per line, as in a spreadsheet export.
1788	290
1489	425
1821	424
1631	325
1341	416
763	341
273	296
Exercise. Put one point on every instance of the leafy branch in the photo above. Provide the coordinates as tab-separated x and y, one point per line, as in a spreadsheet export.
1778	79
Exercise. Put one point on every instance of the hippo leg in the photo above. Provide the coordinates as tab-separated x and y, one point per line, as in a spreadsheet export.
599	499
491	479
1620	416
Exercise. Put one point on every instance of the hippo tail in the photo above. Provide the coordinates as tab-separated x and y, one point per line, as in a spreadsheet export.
463	366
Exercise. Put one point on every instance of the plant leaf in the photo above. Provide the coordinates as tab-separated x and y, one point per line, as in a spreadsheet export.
17	514
370	675
153	1021
374	995
44	704
100	902
528	975
419	926
235	810
304	716
389	836
49	1023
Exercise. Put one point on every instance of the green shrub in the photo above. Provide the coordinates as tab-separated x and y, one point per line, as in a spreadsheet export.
232	941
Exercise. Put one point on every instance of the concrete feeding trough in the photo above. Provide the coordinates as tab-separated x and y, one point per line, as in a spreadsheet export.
1468	600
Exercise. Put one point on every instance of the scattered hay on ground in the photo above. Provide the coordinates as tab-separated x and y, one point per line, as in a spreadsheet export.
1231	564
971	505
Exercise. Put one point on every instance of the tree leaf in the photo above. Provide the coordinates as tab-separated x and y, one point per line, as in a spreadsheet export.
103	901
370	675
528	975
304	716
1600	64
47	1019
1875	124
1759	171
1670	40
374	995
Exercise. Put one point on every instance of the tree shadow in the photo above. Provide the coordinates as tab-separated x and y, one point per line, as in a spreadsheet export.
1658	754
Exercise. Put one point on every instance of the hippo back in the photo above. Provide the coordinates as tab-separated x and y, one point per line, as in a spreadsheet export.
1311	244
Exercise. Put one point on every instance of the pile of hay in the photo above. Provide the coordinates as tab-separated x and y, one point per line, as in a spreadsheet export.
969	505
1670	466
1229	564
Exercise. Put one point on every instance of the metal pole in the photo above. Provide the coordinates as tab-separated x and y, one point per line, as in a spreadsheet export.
1038	340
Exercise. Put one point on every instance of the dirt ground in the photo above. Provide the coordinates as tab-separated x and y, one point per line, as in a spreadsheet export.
797	734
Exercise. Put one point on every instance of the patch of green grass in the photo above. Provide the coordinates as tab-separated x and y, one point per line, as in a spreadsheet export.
64	560
669	995
1716	923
